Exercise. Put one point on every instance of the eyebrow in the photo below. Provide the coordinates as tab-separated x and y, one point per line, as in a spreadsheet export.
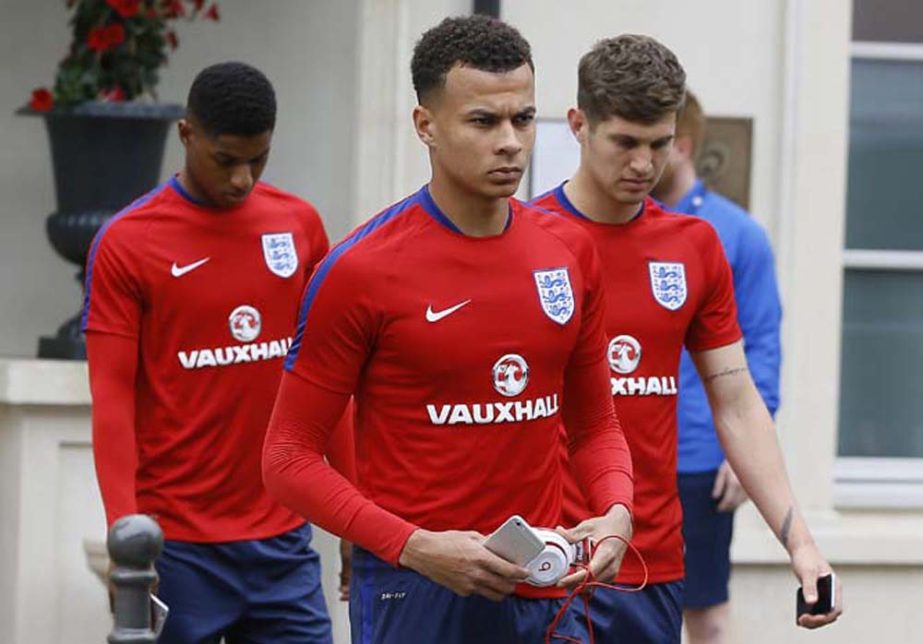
483	111
224	156
628	138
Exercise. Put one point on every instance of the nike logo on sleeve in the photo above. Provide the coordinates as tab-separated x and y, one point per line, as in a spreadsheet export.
435	316
179	271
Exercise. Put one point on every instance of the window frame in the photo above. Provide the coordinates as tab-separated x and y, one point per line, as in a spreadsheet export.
862	482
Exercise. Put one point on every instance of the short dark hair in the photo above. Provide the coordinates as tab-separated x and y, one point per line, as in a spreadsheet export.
232	98
477	41
630	76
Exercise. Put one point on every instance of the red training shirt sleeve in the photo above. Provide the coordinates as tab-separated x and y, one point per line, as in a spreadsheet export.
599	454
296	473
113	363
112	320
341	448
715	323
113	290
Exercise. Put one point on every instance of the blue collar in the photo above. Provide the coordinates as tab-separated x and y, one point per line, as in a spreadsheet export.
181	191
430	206
693	200
572	209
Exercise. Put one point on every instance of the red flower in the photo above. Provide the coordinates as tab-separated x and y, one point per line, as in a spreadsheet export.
112	95
103	38
198	4
125	8
172	39
212	13
173	9
96	39
42	100
115	35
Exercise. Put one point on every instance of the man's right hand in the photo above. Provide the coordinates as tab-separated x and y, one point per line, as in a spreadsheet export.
460	562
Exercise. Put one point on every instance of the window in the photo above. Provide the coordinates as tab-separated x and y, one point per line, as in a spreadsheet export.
881	390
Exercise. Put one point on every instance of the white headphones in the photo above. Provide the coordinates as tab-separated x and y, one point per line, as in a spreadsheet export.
556	559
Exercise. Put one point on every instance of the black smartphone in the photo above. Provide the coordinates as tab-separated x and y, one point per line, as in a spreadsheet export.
826	598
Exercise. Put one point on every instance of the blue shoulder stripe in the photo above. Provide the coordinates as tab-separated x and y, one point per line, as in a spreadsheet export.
88	285
532	201
561	196
558	193
327	263
569	206
182	192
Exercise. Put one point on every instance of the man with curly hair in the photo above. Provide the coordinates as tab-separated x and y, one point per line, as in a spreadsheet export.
669	286
191	298
468	326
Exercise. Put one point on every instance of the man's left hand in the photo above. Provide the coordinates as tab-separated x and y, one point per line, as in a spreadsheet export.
607	557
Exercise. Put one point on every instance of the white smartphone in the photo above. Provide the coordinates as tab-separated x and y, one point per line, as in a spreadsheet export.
515	541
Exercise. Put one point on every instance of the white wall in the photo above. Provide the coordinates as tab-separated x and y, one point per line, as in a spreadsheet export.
308	50
37	289
390	160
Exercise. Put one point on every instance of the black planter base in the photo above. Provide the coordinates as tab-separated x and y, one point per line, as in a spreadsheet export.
68	344
55	348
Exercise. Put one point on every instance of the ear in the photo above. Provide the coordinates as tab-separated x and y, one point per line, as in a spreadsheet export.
184	128
683	146
425	125
579	125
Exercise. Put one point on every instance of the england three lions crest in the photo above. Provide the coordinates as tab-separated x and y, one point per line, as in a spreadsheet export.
668	283
555	294
279	253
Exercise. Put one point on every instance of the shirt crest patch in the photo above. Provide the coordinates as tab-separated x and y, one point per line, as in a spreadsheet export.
555	294
668	283
279	253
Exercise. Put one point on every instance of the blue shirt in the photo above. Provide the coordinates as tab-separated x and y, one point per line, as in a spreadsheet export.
759	314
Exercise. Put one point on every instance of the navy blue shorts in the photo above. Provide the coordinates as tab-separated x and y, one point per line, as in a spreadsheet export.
651	616
389	605
248	592
707	534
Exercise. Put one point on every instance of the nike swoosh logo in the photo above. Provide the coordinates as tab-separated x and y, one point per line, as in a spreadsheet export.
435	316
179	271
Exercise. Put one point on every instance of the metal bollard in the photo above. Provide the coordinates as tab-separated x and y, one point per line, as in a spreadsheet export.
135	541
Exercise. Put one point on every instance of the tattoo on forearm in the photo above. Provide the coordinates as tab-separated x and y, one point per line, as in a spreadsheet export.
727	371
786	527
